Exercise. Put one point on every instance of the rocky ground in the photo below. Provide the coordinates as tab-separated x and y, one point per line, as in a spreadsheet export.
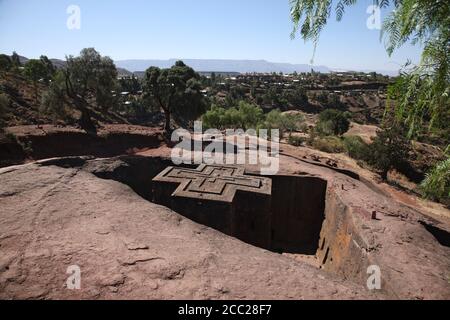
90	212
129	248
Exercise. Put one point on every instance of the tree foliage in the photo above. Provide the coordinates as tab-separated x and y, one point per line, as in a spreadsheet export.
49	68
389	150
54	100
422	92
244	116
15	60
356	147
436	185
35	70
285	122
250	116
130	84
5	62
86	77
175	90
332	122
330	144
4	107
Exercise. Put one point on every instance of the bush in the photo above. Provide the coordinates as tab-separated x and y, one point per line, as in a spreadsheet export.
436	185
4	103
5	63
53	103
292	122
4	106
212	118
390	149
330	144
356	148
250	116
296	140
284	122
246	116
295	97
332	122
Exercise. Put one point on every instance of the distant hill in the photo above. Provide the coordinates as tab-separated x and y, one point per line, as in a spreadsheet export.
219	66
208	65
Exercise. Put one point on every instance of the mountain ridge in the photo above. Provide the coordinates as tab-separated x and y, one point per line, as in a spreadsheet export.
221	65
128	67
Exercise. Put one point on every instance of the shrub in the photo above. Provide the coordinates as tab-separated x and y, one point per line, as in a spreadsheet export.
53	103
5	63
213	117
356	147
436	185
250	116
296	140
4	103
245	116
390	149
292	122
4	106
332	122
284	122
330	144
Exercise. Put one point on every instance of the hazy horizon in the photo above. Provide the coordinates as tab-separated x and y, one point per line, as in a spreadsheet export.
212	30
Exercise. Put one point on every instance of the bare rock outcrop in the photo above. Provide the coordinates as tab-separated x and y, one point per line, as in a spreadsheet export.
128	248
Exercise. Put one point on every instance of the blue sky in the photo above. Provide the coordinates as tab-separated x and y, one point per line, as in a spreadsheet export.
203	29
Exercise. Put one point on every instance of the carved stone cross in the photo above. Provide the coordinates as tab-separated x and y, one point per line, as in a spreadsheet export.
221	197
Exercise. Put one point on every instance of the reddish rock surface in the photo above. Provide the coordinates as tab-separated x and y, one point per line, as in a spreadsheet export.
93	213
129	248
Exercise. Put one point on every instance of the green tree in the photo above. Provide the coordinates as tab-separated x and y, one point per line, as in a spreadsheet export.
356	147
35	70
332	122
54	100
422	92
15	60
49	68
291	122
130	84
4	107
245	116
275	119
212	117
250	114
88	76
5	63
389	150
436	185
175	91
296	97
